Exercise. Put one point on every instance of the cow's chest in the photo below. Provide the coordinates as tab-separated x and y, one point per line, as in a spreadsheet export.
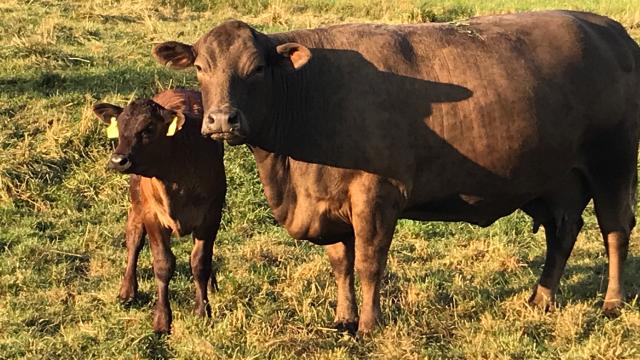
322	221
311	211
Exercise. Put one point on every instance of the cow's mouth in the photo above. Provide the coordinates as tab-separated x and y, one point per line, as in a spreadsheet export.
231	137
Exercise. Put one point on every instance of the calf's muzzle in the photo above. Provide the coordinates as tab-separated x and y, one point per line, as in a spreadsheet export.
119	162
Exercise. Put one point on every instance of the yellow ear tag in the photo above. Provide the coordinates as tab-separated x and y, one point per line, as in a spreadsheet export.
112	130
172	127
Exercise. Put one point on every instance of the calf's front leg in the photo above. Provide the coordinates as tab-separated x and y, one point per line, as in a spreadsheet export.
135	233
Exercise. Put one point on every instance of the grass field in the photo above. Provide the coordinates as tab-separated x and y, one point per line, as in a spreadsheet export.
451	290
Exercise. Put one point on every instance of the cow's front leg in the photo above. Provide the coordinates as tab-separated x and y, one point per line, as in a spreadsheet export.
341	256
373	223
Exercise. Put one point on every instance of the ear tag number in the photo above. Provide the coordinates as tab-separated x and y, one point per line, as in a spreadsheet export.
173	126
112	130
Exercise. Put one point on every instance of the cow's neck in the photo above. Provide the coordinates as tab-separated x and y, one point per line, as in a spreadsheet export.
275	177
290	111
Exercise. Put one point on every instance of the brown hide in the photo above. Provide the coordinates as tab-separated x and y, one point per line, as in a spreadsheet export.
497	110
456	122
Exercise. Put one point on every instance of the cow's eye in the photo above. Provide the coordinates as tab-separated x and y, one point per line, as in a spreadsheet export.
258	70
147	132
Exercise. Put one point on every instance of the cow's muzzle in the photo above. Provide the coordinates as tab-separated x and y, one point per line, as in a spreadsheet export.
119	162
227	124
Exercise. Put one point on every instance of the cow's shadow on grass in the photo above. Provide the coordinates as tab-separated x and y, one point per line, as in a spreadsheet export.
590	287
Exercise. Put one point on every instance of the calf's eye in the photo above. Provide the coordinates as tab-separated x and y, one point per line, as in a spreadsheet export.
258	70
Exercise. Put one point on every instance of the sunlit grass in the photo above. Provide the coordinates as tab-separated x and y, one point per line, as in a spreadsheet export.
451	290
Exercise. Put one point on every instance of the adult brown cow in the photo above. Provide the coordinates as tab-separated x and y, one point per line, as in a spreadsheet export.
177	184
355	126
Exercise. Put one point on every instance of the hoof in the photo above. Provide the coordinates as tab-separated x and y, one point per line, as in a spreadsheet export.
542	298
350	327
127	295
612	308
366	328
203	310
162	323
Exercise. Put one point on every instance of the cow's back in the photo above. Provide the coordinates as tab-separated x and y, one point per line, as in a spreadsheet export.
496	107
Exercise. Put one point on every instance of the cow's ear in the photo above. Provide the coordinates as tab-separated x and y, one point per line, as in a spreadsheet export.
174	55
294	54
106	112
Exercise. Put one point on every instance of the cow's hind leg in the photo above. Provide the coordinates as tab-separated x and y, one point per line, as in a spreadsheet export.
135	233
613	179
342	257
164	263
559	212
614	210
561	236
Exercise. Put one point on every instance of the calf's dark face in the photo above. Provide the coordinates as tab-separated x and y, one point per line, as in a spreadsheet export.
237	68
144	129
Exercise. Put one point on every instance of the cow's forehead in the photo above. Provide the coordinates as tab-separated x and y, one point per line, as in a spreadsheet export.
229	36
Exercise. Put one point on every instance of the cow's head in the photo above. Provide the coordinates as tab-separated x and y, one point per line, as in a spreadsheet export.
236	66
144	129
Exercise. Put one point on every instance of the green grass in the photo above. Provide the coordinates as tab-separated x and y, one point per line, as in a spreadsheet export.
451	291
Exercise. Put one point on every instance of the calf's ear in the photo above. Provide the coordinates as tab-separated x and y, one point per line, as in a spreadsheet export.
294	55
173	119
175	55
106	112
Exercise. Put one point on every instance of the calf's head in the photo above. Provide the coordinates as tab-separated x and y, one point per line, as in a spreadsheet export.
236	68
143	129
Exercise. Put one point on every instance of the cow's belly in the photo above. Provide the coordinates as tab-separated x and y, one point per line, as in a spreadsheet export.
462	207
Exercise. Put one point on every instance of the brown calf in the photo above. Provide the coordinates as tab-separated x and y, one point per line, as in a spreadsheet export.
177	185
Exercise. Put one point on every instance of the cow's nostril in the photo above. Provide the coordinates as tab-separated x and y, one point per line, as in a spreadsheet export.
211	119
233	118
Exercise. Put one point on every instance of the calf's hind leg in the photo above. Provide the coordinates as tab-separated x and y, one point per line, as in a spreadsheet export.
202	258
164	263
